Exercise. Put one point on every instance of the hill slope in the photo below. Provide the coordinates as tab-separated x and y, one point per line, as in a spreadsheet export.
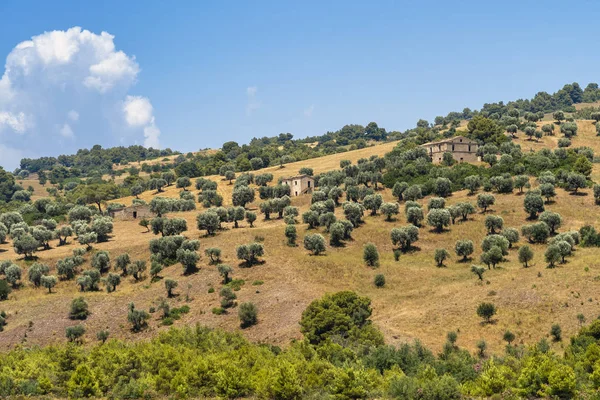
419	300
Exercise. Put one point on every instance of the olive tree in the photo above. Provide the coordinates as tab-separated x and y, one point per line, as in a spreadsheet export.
35	273
485	200
209	221
511	234
525	255
399	189
536	233
291	235
552	255
48	281
136	269
373	202
242	195
404	237
552	219
371	255
440	256
464	248
533	204
389	210
414	215
26	245
250	253
225	271
314	243
493	223
439	219
170	285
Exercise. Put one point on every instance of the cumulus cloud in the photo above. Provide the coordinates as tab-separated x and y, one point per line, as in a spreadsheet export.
252	102
60	79
138	110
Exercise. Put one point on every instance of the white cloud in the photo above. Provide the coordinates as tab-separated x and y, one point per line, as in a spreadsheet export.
78	74
73	115
138	110
17	122
151	134
252	104
66	131
309	111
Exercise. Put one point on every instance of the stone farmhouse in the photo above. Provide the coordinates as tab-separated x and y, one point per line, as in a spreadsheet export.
134	211
299	185
461	148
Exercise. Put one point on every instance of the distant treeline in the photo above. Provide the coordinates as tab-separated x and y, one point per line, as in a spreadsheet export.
563	99
96	159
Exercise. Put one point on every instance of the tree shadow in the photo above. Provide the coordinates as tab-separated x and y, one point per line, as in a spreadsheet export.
465	260
578	194
439	232
246	264
489	322
411	249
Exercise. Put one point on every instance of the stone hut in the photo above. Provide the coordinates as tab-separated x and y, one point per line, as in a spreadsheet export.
134	211
461	148
300	184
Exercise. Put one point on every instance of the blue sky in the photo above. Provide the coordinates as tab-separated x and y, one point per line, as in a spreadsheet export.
218	71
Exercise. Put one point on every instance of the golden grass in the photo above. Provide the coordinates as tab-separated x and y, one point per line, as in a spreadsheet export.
419	300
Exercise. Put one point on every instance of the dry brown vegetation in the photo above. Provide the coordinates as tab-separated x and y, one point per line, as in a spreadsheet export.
419	301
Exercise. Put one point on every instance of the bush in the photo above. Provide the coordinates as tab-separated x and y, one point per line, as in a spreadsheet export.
137	318
79	309
379	280
556	333
248	313
74	333
342	314
5	290
371	255
486	311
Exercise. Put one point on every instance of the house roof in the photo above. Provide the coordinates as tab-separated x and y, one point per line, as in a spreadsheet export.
297	177
451	140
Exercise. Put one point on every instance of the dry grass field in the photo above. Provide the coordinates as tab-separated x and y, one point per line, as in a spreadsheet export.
419	301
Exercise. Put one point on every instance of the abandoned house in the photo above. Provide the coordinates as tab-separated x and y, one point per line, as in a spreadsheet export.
300	184
461	148
131	212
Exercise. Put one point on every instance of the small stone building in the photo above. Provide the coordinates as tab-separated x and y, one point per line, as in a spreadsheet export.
134	211
301	184
461	148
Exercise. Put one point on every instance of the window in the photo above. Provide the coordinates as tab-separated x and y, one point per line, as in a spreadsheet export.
134	214
452	147
296	183
461	140
308	183
469	148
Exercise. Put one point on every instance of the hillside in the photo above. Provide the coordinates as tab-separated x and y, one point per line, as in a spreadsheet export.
418	301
